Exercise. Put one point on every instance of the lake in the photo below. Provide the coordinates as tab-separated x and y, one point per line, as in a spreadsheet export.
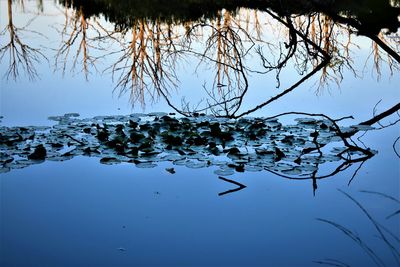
199	133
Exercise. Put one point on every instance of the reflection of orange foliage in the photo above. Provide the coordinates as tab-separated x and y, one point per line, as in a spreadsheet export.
21	56
76	27
334	40
147	69
379	59
145	65
327	27
146	54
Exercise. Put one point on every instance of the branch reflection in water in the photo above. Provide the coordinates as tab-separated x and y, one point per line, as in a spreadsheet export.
146	46
147	50
390	239
20	56
290	151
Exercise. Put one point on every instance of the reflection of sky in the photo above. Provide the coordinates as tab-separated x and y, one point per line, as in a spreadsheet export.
82	212
24	102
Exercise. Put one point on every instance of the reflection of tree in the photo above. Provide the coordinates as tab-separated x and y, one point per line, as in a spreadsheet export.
369	26
316	43
380	59
40	5
75	35
230	77
150	48
21	56
145	64
331	38
227	48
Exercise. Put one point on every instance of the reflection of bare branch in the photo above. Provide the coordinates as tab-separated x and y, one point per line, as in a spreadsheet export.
361	30
75	35
390	198
394	251
378	58
225	49
145	64
314	41
347	163
230	82
284	57
356	238
332	262
240	186
355	173
378	122
347	160
381	194
394	147
382	115
393	214
325	60
20	55
384	233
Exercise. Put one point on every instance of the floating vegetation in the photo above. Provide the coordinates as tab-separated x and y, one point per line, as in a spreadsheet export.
246	144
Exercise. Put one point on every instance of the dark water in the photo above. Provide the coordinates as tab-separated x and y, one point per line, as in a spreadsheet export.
230	186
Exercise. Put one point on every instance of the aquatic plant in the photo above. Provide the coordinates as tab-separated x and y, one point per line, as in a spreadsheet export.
232	145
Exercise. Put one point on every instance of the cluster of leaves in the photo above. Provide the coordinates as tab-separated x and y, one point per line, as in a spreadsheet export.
246	144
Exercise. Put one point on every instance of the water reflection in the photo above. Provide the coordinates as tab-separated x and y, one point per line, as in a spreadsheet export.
147	41
77	43
119	214
19	55
389	239
298	152
146	46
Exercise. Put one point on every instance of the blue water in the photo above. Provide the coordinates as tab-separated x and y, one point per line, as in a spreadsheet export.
82	213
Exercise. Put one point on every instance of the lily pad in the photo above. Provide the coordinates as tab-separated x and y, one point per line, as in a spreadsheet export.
247	144
196	164
109	161
224	172
146	165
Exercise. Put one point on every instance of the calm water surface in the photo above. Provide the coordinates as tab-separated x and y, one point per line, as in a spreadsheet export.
98	59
